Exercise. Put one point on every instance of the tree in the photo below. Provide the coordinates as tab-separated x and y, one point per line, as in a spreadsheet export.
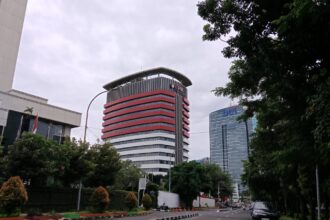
12	196
188	179
152	190
30	158
128	176
100	199
218	181
106	162
146	201
131	200
281	74
80	167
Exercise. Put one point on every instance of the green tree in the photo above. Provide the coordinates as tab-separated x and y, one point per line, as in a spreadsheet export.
152	189
12	196
131	200
100	199
80	167
31	158
188	179
106	162
128	176
219	180
281	74
146	201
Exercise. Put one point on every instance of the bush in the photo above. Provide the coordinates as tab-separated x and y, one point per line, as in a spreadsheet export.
12	196
131	200
118	200
100	199
146	201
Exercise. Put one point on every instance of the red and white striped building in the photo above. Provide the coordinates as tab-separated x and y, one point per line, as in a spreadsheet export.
146	118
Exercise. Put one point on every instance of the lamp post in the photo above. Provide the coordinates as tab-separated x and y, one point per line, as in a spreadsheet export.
85	131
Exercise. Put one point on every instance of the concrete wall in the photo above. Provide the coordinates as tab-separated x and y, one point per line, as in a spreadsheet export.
205	202
19	104
12	14
169	199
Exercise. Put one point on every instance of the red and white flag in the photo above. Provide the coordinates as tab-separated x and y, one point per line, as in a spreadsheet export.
35	124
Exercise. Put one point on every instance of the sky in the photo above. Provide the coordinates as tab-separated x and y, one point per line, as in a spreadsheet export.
70	49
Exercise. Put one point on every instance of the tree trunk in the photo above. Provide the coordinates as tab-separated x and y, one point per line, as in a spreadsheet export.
303	209
326	206
313	209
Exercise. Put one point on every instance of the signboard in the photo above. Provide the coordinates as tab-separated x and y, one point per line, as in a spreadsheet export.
229	111
142	183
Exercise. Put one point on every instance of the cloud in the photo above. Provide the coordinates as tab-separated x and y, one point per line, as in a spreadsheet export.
70	49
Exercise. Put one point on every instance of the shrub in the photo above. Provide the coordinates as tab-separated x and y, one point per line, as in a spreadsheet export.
118	200
146	201
12	196
131	200
100	199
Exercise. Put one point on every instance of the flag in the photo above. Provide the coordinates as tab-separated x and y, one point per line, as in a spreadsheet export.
35	124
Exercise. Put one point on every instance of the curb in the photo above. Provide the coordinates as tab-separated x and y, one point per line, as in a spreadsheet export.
178	217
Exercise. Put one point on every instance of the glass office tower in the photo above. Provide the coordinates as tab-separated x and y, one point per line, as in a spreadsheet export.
229	140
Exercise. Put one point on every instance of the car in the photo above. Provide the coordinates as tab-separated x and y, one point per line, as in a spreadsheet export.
264	211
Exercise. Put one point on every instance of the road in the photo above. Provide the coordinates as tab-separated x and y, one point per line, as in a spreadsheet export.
237	214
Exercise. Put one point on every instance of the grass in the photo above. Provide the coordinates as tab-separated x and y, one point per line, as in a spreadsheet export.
286	218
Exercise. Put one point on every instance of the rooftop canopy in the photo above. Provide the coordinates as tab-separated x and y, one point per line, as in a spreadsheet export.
159	70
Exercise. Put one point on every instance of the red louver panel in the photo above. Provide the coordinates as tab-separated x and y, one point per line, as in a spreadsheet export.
137	109
156	92
185	133
185	120
186	107
185	113
186	127
138	122
137	102
138	115
136	130
185	100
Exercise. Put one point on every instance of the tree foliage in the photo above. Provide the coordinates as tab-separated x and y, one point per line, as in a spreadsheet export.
106	162
12	196
128	176
146	201
188	179
131	200
281	74
40	162
100	199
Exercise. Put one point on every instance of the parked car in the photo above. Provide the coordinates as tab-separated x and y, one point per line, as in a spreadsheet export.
264	211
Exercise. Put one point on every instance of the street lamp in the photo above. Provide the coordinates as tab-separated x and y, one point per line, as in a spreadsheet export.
85	131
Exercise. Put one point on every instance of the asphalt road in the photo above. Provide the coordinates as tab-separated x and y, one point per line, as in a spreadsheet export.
237	214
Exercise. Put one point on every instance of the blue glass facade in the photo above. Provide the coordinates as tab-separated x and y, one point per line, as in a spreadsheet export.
228	140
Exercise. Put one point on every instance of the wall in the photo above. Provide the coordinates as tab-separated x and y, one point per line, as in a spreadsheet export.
205	202
170	199
12	14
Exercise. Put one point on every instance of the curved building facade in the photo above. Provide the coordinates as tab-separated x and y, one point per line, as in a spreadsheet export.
146	118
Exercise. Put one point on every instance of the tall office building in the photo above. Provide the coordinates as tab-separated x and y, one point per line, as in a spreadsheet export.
54	122
12	14
229	140
146	118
